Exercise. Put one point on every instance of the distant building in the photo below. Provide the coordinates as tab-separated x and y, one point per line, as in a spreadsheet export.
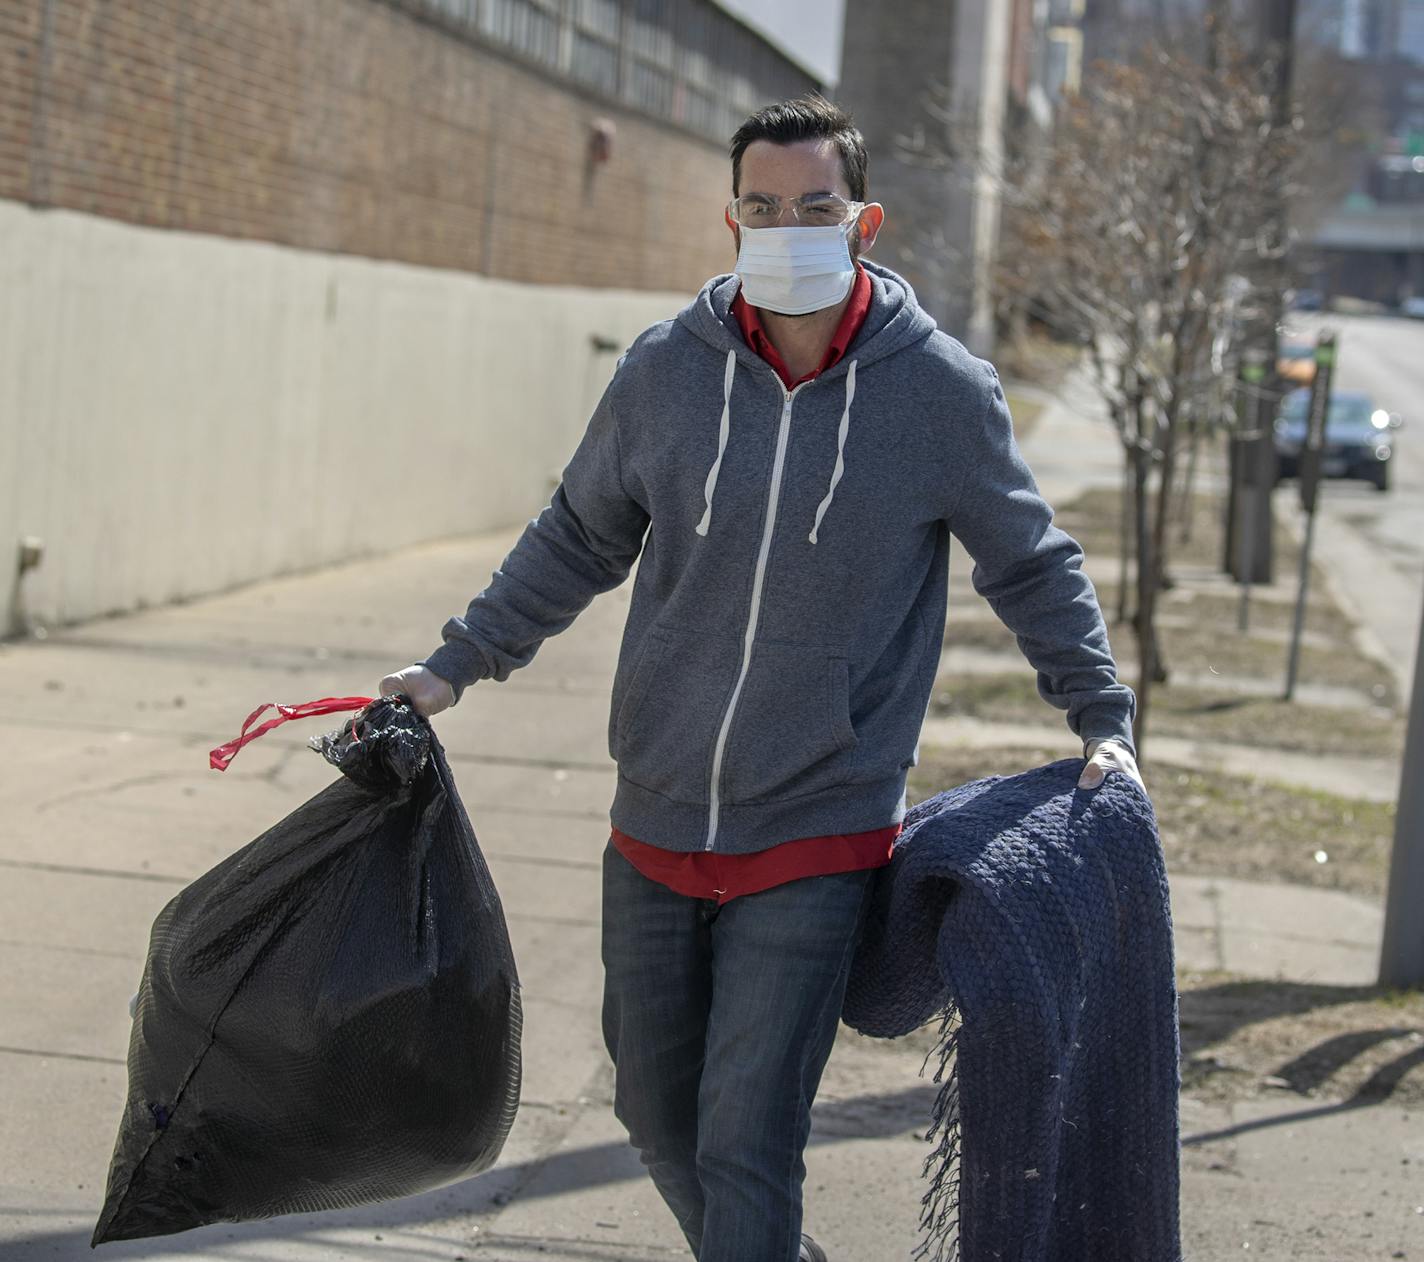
1410	38
1365	30
1372	244
1060	38
1115	30
1045	55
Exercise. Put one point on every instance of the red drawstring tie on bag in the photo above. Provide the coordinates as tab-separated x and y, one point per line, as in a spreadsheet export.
219	758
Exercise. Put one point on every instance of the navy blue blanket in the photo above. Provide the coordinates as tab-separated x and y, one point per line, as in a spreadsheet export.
1032	918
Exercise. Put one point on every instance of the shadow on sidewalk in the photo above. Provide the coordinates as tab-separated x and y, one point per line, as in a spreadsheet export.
1211	1015
872	1116
1360	1100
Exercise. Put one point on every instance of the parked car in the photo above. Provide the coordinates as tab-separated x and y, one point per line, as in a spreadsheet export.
1359	437
1307	300
1413	307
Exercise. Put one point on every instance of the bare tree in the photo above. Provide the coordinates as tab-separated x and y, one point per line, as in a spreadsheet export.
1135	228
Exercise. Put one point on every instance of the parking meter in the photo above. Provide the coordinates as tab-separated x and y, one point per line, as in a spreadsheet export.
1312	453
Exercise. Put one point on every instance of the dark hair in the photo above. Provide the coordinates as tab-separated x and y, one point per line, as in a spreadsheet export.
809	117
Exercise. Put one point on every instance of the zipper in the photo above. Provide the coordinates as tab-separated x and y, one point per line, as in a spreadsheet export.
773	495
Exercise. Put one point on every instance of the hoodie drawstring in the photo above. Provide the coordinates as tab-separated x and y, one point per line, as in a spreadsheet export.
722	433
724	429
840	452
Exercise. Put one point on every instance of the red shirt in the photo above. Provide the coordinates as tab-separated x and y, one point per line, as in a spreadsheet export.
749	320
704	873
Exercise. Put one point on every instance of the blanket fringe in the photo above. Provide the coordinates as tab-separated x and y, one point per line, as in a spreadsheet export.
939	1217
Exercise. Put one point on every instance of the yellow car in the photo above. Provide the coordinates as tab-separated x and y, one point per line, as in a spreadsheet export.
1295	361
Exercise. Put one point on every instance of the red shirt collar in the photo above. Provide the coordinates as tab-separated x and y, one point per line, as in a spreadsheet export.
749	321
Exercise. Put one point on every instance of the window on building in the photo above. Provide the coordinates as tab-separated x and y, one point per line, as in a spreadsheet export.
531	28
595	44
681	61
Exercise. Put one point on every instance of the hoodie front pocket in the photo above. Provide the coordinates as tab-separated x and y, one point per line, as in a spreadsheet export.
667	720
792	732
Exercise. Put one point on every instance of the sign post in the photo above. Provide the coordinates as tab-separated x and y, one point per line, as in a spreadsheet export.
1312	456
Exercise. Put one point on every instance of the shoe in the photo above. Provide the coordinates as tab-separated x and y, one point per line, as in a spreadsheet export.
811	1251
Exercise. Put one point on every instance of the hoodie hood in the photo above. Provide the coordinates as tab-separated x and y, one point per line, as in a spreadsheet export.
895	320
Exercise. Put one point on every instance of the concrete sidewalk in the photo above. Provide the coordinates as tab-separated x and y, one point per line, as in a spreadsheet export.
111	808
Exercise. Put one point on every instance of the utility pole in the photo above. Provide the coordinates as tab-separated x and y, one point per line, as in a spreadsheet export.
1278	41
1402	951
1277	28
1253	458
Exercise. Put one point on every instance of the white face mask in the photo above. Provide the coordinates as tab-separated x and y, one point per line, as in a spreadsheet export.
794	271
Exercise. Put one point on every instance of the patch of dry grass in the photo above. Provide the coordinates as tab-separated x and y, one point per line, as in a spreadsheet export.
1025	411
1205	649
1215	824
1094	520
1219	609
1044	361
1193	713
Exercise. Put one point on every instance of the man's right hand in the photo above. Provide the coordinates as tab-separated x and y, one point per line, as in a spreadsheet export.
428	692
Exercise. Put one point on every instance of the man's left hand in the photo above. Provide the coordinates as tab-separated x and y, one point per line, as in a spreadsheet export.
1108	755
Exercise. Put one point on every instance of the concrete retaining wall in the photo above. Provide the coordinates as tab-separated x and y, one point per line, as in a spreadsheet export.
183	413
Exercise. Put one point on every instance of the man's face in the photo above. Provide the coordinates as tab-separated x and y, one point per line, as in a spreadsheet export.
808	166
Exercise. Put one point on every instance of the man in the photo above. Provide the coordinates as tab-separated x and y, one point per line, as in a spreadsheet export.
788	457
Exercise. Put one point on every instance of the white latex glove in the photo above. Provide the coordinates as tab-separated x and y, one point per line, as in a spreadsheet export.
428	692
1106	755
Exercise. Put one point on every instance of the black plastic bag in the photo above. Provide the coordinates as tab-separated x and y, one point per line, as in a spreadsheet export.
329	1017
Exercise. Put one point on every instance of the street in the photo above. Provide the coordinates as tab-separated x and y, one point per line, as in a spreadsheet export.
1372	543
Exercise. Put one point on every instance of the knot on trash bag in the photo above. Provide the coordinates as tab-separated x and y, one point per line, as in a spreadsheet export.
385	746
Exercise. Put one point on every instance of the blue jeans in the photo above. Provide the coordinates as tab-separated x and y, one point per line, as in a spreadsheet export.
719	1022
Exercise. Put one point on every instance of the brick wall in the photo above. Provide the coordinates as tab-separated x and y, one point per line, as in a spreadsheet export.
346	125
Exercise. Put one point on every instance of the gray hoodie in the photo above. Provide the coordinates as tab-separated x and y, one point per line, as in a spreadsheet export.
788	613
